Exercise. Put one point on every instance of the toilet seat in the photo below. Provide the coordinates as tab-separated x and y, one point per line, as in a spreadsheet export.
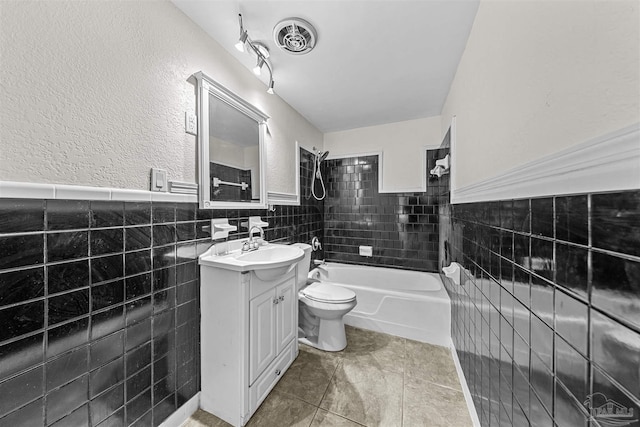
326	293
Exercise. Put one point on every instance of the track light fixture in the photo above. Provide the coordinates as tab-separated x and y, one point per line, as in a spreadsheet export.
258	68
242	41
260	50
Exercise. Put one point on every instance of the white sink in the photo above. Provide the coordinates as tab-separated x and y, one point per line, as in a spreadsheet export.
268	262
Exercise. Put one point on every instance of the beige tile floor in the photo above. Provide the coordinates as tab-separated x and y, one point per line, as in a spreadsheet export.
378	380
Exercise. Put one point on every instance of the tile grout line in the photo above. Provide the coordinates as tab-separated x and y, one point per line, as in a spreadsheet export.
443	386
329	382
404	375
327	389
315	414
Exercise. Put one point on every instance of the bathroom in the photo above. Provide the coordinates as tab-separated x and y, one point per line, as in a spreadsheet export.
531	108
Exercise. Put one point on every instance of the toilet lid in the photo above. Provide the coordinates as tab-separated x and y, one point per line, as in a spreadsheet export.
323	292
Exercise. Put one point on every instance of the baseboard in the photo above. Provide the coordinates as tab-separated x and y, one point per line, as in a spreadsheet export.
183	413
465	387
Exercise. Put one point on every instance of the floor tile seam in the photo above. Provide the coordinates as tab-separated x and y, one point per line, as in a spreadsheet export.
441	385
324	394
401	375
387	371
380	368
464	402
387	376
315	414
405	354
373	348
404	372
345	417
286	393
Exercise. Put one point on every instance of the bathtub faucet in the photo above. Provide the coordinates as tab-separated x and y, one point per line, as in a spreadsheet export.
320	264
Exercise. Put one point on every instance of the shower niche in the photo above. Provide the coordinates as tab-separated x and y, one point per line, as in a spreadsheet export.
231	159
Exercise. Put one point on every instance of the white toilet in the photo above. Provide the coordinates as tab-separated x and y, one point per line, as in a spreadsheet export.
321	308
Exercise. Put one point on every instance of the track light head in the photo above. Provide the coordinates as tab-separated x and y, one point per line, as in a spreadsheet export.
242	41
258	68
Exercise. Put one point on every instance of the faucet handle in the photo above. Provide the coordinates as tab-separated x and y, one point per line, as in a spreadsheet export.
315	243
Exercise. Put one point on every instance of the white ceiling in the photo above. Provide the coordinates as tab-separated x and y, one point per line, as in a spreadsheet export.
375	61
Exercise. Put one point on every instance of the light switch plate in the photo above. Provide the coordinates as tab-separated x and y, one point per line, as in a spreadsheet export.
191	123
159	180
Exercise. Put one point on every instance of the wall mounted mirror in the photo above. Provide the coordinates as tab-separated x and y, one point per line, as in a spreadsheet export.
231	160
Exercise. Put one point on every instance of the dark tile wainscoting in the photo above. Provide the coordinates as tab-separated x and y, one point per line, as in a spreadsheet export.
99	312
401	227
99	305
547	321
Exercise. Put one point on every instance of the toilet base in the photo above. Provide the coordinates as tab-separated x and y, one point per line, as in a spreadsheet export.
331	336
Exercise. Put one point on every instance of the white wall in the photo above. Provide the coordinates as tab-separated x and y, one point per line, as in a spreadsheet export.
95	94
541	76
402	144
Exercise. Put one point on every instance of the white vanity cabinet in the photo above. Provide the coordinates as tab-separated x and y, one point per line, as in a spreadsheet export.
271	326
248	339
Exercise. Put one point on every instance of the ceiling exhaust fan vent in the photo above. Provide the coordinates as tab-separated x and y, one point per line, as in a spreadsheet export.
295	36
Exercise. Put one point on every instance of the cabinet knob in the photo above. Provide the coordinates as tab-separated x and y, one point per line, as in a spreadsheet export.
278	372
275	301
281	298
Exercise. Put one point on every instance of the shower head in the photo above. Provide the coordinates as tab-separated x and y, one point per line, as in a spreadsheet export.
322	155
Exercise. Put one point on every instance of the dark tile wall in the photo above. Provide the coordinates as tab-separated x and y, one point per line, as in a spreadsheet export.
547	321
311	210
403	228
99	305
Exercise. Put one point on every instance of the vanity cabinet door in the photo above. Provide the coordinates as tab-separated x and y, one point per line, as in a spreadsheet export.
286	313
262	333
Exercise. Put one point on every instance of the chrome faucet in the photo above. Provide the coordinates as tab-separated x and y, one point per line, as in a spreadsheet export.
252	245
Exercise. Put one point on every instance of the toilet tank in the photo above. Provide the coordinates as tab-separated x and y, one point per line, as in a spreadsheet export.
303	264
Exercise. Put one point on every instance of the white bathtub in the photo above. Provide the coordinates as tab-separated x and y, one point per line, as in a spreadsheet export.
404	303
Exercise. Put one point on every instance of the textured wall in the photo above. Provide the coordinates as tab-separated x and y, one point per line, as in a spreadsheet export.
540	76
94	93
401	144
